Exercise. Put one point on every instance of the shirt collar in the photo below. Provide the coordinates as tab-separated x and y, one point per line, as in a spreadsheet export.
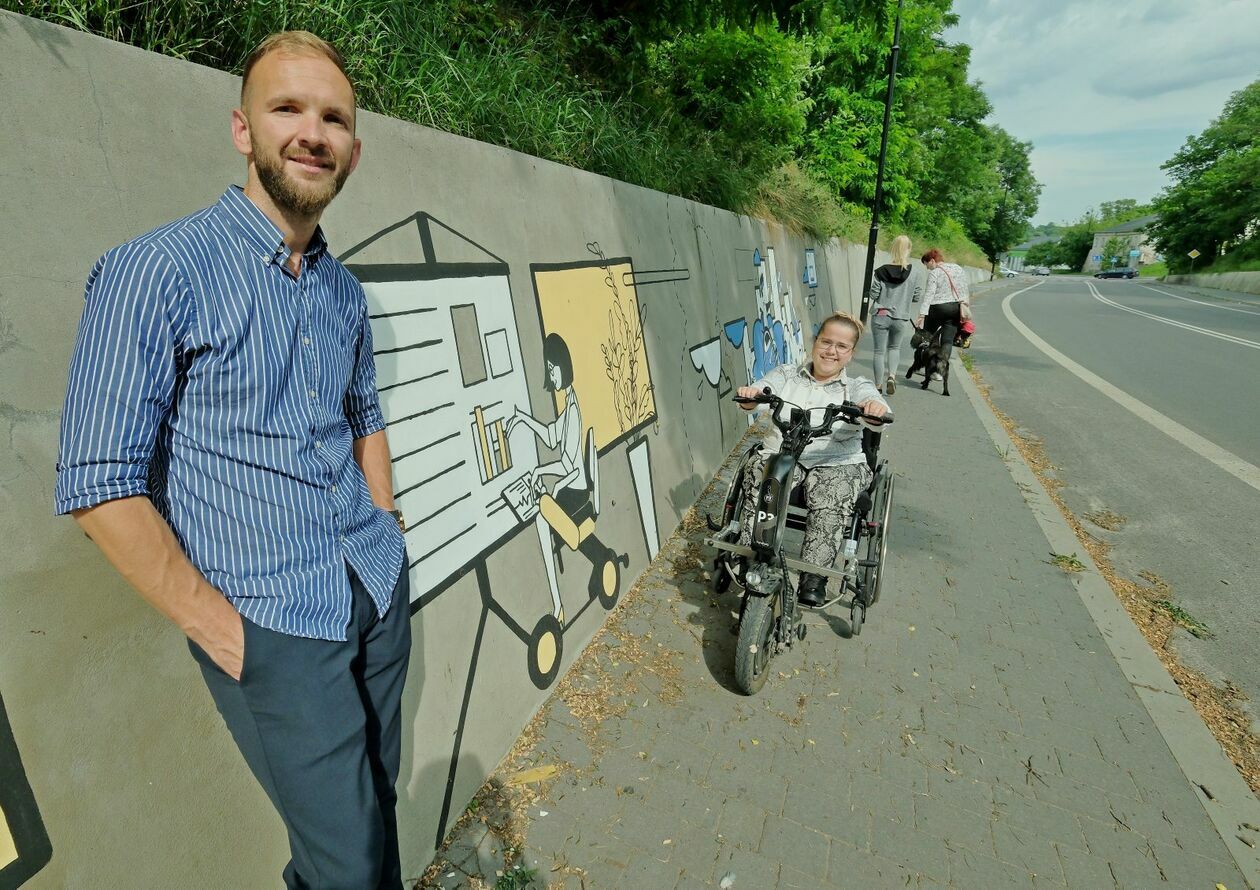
260	233
803	370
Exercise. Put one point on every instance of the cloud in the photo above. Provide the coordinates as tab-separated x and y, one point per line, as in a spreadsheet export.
1106	93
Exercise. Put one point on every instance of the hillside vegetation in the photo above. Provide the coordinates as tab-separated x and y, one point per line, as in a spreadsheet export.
768	107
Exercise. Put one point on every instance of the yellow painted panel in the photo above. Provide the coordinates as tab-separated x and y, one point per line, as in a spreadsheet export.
597	314
8	848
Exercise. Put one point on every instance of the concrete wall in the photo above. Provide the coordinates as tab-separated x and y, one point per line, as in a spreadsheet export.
1242	282
115	770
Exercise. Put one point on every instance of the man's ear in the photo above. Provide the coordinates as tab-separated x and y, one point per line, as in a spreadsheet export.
354	154
240	132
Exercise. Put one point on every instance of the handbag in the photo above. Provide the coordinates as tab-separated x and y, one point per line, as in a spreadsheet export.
964	309
963	338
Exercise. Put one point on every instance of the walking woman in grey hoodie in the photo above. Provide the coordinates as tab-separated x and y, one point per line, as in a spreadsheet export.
894	289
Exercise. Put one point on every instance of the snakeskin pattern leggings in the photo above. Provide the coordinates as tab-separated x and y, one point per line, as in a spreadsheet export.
830	493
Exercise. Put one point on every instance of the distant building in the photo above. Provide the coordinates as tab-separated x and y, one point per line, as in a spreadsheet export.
1134	233
1013	259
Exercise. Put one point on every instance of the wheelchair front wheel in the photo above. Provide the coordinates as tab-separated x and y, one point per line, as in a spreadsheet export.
756	643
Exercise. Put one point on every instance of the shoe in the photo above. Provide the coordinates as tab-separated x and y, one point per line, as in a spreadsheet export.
812	590
891	386
936	376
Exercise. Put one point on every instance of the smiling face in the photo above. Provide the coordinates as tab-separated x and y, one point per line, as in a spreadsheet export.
296	127
833	348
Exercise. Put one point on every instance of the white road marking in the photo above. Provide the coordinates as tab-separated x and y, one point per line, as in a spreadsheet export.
1226	460
1228	338
1200	302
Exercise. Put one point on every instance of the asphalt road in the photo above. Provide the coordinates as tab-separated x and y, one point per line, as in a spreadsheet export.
1186	478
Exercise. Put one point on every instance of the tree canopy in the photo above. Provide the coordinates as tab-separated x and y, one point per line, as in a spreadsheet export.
745	104
1213	204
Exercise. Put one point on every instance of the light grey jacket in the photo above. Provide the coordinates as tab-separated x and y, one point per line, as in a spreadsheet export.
896	288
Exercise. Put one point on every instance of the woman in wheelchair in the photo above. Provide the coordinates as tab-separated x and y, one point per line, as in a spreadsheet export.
834	469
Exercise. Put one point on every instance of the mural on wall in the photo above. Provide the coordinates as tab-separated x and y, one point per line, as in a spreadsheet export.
465	442
774	336
593	308
24	844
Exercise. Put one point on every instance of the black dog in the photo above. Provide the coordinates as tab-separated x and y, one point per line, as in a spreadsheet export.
931	358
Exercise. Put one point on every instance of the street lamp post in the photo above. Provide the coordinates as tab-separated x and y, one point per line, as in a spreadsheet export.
879	172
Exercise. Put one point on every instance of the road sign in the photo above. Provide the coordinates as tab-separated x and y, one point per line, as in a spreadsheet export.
1098	258
1135	252
1194	254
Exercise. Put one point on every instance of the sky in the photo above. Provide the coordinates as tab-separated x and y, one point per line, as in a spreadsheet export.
1105	91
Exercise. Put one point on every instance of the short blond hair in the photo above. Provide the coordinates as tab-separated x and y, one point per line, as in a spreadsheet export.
293	43
844	318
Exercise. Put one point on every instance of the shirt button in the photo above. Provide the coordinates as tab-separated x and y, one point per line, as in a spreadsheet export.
311	393
334	489
306	340
319	444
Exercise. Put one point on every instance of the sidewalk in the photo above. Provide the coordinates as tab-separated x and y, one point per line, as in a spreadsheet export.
979	733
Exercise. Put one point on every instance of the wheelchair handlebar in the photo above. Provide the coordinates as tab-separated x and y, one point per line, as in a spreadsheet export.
848	412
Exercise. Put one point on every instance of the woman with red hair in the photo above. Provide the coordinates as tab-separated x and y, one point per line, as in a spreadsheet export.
943	301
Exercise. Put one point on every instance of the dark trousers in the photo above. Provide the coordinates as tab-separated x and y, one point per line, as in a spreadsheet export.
946	318
319	724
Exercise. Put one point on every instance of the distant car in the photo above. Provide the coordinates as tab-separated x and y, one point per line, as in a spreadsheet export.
1007	273
1117	273
1041	270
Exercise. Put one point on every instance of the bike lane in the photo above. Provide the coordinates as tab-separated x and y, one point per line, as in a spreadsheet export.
979	732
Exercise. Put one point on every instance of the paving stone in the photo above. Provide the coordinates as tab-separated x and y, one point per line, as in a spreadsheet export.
795	844
643	871
1043	819
791	879
823	806
1026	849
919	852
679	798
959	828
741	823
1181	868
748	870
1084	870
905	770
881	798
1093	770
965	793
971	869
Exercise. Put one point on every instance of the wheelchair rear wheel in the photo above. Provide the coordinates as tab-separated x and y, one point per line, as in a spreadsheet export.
877	542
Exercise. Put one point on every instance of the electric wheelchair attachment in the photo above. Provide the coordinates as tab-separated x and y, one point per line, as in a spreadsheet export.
770	618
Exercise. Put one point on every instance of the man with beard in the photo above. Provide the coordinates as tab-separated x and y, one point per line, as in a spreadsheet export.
223	444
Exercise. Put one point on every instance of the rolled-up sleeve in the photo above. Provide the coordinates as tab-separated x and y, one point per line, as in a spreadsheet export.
362	403
122	378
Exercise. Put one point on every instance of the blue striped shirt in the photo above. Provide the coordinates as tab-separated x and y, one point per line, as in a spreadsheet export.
209	378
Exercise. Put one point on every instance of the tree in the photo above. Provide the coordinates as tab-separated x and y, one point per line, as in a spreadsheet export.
1017	193
1115	252
1213	204
1043	253
1073	248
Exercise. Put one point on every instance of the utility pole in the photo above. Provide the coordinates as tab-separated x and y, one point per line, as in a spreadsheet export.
879	173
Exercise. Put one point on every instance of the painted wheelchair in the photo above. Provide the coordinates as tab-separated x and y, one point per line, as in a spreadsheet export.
770	618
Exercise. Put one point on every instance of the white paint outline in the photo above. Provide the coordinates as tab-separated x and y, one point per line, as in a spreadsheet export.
1225	460
1200	302
1228	338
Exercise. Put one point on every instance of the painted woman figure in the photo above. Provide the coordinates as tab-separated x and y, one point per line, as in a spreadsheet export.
572	489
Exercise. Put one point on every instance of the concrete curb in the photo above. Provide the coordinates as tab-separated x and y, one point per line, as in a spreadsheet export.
1224	795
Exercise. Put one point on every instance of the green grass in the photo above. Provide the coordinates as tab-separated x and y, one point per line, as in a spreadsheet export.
498	72
1069	563
517	878
1183	618
1153	270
